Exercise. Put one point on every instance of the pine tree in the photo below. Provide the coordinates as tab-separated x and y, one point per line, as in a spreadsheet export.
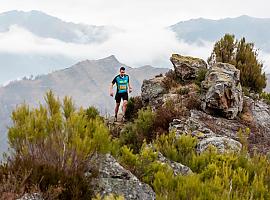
224	50
246	61
245	58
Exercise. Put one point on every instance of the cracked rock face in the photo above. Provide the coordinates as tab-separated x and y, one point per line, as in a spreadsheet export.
260	112
113	178
222	91
209	130
187	67
152	92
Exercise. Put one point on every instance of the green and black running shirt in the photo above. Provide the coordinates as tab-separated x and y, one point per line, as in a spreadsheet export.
121	83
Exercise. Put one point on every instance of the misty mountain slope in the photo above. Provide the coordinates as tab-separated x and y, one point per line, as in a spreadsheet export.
20	65
17	64
47	26
255	30
87	82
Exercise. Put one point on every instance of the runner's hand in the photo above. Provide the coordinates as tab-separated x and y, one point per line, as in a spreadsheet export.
111	94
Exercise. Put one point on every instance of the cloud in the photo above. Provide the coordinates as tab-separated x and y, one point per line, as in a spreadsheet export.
135	47
140	12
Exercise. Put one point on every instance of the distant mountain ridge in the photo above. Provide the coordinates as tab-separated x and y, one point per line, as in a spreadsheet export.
87	82
255	30
44	25
20	64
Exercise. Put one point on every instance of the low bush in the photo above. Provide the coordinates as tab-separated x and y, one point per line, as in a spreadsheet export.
215	175
165	115
51	148
183	91
92	112
171	80
141	129
266	97
200	76
180	149
133	106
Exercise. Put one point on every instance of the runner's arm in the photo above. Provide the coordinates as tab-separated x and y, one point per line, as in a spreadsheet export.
129	88
111	87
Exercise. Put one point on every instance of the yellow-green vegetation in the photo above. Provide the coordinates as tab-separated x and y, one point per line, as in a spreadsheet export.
133	106
265	96
187	59
51	146
141	129
216	176
244	57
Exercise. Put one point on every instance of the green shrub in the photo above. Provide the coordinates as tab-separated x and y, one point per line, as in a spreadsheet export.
54	143
245	58
135	133
200	76
92	112
180	149
183	91
215	175
266	97
144	164
133	106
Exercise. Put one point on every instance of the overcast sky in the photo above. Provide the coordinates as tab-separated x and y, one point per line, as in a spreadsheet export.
144	41
130	13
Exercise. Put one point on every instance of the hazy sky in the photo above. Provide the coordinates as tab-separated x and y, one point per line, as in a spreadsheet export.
127	13
144	41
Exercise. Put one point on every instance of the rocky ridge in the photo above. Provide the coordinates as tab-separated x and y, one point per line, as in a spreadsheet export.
223	110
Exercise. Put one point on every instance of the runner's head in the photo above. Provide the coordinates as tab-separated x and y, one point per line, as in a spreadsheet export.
122	71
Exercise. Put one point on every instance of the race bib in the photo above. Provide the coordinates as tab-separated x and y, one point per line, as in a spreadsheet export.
122	87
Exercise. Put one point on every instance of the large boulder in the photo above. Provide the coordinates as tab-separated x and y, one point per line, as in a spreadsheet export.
222	144
218	132
187	67
259	112
153	91
222	91
115	179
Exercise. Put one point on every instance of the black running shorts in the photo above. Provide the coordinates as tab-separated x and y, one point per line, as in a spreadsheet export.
120	96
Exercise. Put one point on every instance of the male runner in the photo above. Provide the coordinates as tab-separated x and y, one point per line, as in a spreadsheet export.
123	87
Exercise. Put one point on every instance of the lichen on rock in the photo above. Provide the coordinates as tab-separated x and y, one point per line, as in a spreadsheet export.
222	91
187	67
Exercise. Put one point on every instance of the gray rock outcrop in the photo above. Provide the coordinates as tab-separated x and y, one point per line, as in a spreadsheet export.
152	92
222	91
187	67
178	168
209	130
259	112
113	178
222	144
